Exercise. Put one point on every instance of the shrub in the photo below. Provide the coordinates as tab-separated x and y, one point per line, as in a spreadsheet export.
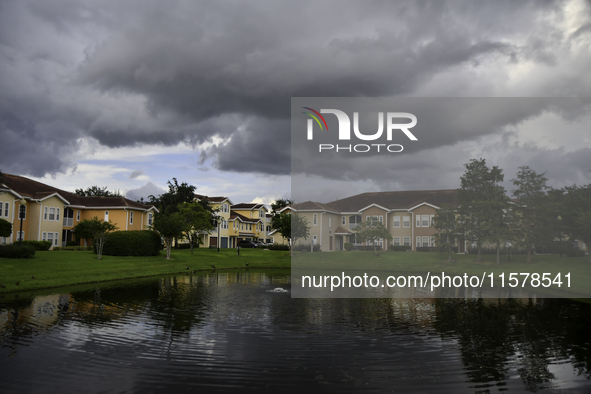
306	248
133	243
399	248
278	247
72	243
349	246
38	245
16	251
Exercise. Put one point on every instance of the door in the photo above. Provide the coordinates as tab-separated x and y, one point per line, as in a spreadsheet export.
224	243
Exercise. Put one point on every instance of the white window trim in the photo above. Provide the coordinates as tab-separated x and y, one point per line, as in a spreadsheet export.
106	216
130	217
1	208
78	215
6	209
406	223
344	221
396	222
396	241
55	240
315	219
406	238
418	221
425	221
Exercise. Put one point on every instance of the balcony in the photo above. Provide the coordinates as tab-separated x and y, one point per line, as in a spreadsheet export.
68	222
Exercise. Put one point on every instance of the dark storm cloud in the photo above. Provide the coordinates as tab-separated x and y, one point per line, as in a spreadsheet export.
149	189
129	73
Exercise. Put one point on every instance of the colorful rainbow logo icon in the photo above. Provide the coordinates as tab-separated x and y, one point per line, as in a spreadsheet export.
315	118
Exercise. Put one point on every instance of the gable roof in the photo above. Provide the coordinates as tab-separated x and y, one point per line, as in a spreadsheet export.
396	200
250	206
34	190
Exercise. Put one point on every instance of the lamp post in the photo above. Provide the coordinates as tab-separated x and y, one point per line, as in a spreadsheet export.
21	215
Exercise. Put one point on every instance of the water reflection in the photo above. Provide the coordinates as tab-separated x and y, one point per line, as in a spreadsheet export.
227	332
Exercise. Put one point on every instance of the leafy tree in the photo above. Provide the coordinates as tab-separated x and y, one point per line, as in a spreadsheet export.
481	200
372	231
5	228
168	203
97	191
198	218
533	209
293	227
577	213
169	226
96	229
448	227
275	207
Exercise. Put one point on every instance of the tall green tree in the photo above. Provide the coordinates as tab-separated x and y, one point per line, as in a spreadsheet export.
98	230
371	232
198	218
169	226
97	191
481	202
448	228
577	213
293	227
276	206
177	194
533	212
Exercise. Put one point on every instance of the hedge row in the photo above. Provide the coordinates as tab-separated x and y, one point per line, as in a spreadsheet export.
133	243
38	245
16	251
277	247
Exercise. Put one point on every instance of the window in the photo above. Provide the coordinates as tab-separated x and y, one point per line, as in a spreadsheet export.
344	220
418	217
51	216
396	222
396	241
425	221
57	215
406	241
6	209
20	235
261	213
55	239
315	219
418	242
77	216
44	236
50	237
431	217
268	228
1	208
150	219
329	221
425	242
406	221
432	242
131	217
314	239
106	216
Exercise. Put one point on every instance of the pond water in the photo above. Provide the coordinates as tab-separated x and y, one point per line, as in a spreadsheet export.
240	331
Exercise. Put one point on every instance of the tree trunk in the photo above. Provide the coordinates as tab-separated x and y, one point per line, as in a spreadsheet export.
498	254
190	243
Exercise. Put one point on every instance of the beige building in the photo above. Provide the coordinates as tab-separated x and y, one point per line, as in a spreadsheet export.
408	216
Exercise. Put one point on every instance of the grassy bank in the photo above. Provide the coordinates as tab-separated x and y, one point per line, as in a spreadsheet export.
412	262
62	268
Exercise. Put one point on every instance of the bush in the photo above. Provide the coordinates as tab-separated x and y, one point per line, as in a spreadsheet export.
278	247
306	248
399	248
133	243
38	245
349	246
74	248
16	251
73	243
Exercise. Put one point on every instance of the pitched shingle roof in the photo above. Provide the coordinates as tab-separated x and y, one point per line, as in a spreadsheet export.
389	200
36	190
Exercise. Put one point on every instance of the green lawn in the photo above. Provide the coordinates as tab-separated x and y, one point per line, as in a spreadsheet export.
421	262
61	268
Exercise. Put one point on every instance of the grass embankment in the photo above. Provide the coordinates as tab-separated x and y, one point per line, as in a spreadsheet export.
436	263
62	268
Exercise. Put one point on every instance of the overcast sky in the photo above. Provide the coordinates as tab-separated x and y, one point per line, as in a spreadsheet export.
130	94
